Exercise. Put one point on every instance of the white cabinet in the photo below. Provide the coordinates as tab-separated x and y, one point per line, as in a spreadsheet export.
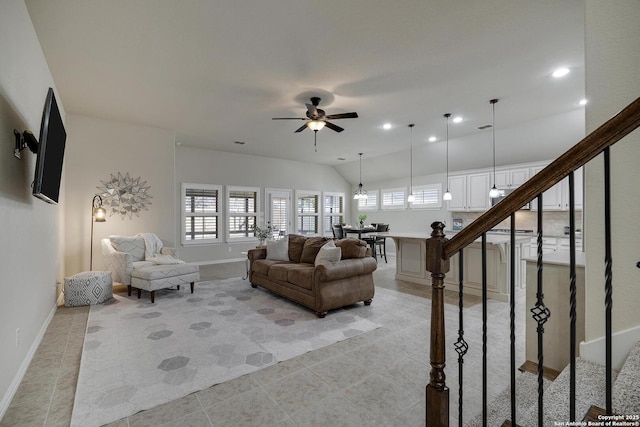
554	244
557	197
511	178
469	192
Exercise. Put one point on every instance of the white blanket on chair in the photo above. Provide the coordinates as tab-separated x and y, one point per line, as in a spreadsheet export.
165	259
153	249
152	245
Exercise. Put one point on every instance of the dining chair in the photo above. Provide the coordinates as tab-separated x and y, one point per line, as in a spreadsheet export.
381	241
338	232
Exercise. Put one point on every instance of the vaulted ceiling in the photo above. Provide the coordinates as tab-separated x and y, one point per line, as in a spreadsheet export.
217	72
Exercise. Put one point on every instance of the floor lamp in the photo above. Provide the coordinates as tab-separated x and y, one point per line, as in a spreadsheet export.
98	214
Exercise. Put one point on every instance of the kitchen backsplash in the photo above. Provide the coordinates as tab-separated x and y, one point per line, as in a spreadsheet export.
553	222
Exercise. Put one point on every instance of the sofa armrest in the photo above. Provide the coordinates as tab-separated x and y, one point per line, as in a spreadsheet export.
346	268
256	254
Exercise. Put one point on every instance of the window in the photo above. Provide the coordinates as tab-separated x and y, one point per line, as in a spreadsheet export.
278	210
242	211
370	203
394	198
200	213
333	211
307	212
427	197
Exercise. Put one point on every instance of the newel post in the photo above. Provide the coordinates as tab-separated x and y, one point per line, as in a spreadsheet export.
437	390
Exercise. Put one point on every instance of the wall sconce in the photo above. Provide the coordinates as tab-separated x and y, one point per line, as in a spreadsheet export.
98	214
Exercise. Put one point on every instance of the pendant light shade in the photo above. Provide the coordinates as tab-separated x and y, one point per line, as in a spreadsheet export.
411	198
360	192
447	194
494	192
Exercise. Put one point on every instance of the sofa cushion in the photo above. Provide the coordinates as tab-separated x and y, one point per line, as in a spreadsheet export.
296	243
311	248
278	249
328	253
301	275
131	245
352	248
262	266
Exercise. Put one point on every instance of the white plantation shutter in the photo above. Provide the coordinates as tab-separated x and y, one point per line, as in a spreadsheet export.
394	198
427	196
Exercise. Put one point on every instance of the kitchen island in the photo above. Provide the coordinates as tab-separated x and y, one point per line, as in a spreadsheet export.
411	262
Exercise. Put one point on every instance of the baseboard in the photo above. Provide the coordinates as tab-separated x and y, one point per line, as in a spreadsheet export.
622	343
13	387
218	261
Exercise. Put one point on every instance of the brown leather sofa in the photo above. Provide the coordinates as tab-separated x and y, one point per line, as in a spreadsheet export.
321	287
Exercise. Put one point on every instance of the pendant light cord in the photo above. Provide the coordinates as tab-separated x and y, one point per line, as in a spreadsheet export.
411	160
493	128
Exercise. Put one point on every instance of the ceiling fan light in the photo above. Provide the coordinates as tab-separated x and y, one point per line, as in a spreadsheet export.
315	125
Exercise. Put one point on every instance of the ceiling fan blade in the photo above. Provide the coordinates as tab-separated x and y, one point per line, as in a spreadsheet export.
289	118
301	128
333	127
353	115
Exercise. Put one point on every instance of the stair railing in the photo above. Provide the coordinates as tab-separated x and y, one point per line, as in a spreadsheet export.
440	250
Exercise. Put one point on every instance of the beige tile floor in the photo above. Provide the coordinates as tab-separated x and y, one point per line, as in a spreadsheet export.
376	379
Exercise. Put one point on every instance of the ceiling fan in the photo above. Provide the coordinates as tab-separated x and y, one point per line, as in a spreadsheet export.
317	119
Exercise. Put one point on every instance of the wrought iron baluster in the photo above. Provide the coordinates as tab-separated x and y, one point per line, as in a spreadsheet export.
512	315
484	328
572	299
461	345
608	299
540	314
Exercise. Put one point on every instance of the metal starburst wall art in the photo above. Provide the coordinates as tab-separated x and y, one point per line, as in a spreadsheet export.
124	195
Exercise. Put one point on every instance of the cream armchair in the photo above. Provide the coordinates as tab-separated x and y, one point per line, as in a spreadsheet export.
142	262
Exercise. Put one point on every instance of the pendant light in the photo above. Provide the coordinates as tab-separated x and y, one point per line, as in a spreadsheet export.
447	194
411	198
360	193
494	192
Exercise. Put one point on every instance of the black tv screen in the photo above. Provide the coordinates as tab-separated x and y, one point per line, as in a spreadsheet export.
46	184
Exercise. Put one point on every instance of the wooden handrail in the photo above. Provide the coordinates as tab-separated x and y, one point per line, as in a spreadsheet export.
612	131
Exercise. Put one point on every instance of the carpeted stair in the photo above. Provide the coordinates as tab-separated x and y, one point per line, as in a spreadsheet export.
590	391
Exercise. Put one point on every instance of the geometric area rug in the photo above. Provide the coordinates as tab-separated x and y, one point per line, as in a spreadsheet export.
138	355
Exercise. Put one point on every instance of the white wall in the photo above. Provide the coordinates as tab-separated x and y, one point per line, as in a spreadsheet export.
201	166
31	229
98	148
612	63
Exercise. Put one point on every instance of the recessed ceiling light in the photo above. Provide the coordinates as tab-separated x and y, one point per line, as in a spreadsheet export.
560	72
178	144
432	139
239	142
583	102
487	126
387	126
457	119
341	158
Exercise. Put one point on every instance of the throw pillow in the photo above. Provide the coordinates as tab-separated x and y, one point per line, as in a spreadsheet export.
311	247
328	253
278	249
352	248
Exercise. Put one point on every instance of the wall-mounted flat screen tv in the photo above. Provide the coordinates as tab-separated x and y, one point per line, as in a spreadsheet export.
46	183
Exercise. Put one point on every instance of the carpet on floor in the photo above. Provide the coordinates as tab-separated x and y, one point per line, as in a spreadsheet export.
138	355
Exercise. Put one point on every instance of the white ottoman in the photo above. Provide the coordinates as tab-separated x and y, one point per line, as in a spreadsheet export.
86	288
153	277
